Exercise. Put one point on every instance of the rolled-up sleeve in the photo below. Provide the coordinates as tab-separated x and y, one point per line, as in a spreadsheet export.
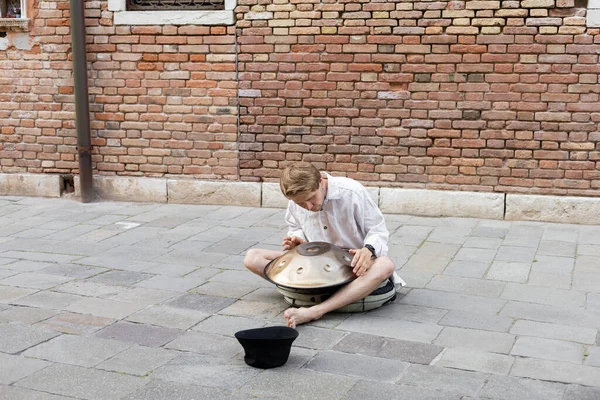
294	228
373	223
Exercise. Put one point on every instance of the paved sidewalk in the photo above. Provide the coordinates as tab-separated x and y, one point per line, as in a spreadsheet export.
140	301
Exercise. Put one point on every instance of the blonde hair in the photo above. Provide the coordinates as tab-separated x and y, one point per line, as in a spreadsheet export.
299	178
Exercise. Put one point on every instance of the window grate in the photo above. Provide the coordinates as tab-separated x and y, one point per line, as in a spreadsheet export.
157	5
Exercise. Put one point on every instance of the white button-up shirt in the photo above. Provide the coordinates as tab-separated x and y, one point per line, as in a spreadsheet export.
349	218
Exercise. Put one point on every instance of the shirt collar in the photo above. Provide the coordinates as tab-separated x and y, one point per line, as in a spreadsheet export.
333	189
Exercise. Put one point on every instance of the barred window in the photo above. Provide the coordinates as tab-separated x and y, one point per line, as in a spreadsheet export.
161	5
172	12
12	9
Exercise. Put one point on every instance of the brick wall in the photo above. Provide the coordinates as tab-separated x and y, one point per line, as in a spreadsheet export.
163	99
459	95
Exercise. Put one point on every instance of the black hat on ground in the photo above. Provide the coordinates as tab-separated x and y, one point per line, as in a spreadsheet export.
267	347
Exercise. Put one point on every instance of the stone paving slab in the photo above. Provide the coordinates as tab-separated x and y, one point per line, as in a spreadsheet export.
475	360
13	368
77	350
83	383
16	393
364	367
16	337
150	296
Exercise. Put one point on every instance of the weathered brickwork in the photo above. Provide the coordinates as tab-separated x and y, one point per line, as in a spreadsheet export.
163	99
460	95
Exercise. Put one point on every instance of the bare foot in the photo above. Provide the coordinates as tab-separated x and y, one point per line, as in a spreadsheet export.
298	316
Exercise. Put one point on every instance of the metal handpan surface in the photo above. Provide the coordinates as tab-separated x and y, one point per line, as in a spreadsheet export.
313	265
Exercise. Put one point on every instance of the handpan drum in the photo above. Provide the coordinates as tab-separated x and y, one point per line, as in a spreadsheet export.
310	266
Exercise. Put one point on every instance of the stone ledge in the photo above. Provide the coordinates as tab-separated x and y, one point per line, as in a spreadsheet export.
124	188
34	185
438	203
570	210
214	192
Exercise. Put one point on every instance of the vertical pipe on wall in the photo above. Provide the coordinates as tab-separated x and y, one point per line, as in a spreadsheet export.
82	107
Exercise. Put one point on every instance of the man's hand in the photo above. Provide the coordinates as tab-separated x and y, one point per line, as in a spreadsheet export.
361	261
289	242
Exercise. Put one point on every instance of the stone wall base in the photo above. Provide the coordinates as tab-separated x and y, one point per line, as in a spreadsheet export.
432	203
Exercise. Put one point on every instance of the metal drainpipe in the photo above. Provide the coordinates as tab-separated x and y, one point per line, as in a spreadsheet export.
82	107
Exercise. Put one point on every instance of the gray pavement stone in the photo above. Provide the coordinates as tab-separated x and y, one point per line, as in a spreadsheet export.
553	265
509	271
477	321
409	313
34	280
26	315
377	390
453	301
41	257
169	317
588	250
75	324
576	392
548	349
104	307
361	366
477	255
171	269
206	344
16	393
241	278
138	360
159	390
376	346
27	266
554	331
77	350
556	248
227	325
515	254
317	338
13	368
267	295
489	231
170	283
144	335
255	309
439	249
6	261
82	383
426	263
112	262
510	388
583	281
470	286
481	242
72	270
93	289
144	296
556	281
135	253
523	241
50	300
16	337
397	329
558	371
443	379
117	277
197	258
593	356
494	342
467	269
307	385
202	303
235	262
5	273
474	360
579	317
416	279
207	370
543	295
